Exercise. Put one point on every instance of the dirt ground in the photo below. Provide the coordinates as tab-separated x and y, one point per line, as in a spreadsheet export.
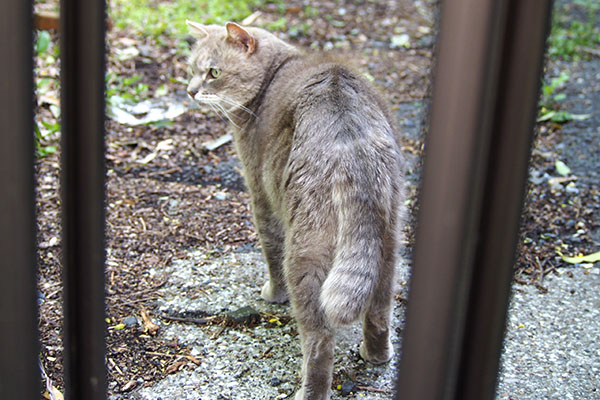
166	193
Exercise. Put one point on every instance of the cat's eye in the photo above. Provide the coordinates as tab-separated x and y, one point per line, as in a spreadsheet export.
214	73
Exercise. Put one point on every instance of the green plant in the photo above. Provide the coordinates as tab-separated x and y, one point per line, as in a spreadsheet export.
41	149
126	87
550	102
548	89
575	34
278	25
155	18
46	133
43	42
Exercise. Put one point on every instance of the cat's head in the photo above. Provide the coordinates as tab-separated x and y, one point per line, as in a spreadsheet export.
228	63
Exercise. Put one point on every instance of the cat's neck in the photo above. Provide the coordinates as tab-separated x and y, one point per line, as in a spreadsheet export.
242	118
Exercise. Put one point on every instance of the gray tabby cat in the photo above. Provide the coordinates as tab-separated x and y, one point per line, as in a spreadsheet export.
322	162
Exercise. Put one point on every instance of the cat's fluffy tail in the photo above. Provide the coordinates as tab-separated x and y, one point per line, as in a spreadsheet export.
357	261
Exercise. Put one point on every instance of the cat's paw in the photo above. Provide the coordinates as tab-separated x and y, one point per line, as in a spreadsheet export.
381	357
299	395
274	295
302	395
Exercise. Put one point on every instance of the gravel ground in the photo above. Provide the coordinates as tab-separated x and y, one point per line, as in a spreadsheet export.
249	361
551	347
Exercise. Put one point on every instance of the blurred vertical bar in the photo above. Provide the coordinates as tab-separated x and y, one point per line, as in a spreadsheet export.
19	371
82	109
519	80
481	124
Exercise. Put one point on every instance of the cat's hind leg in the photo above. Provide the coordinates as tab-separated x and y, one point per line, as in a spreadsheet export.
317	364
377	347
306	271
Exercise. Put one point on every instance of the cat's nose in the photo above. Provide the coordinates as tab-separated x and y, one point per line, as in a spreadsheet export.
191	94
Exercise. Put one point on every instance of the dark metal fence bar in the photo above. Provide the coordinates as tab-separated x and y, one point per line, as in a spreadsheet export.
19	371
82	108
486	83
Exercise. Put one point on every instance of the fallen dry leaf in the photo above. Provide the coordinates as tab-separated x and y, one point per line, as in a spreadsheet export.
176	366
150	326
129	386
193	359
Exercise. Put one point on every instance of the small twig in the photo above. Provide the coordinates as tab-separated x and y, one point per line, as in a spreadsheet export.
218	333
250	19
165	172
156	353
186	356
49	385
215	144
589	50
131	303
199	321
115	366
264	354
374	390
539	270
143	291
561	179
546	272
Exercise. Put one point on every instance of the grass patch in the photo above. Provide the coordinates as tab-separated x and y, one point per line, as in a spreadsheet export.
154	18
575	30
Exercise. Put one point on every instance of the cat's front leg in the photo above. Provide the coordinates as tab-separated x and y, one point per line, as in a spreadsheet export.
271	236
272	293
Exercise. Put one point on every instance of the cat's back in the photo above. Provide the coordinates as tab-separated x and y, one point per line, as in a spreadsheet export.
329	97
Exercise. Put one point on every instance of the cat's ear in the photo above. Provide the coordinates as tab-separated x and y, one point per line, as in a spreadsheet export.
241	37
197	29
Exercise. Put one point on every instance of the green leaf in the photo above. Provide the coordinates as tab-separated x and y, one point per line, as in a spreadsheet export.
579	117
560	117
590	258
131	80
278	25
161	91
36	129
562	168
43	41
46	150
546	116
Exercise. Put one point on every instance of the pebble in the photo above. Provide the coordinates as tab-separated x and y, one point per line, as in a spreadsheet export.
348	387
275	381
130	320
244	316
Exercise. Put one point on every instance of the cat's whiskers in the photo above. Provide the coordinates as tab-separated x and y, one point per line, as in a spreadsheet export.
226	113
236	104
220	99
217	103
216	111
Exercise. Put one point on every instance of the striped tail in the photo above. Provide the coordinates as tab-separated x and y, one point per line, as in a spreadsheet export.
357	261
